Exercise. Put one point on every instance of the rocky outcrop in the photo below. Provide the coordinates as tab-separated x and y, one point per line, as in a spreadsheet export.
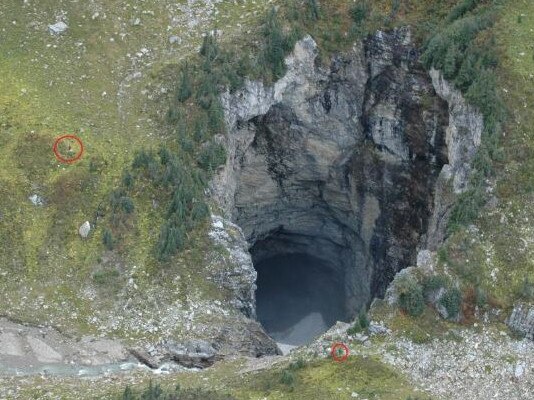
193	353
521	320
238	276
463	138
338	162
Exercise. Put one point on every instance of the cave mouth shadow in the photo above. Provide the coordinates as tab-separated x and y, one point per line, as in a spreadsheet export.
298	297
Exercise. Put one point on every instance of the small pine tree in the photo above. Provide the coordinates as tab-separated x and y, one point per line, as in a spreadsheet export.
212	156
107	239
452	300
360	11
127	204
450	64
128	179
152	392
313	9
164	155
128	394
363	319
185	90
274	49
287	378
171	239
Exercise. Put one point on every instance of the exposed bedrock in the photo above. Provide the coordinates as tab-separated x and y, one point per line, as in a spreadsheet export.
340	164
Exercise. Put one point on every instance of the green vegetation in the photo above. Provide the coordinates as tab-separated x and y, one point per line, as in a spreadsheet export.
154	391
451	300
361	324
410	295
464	50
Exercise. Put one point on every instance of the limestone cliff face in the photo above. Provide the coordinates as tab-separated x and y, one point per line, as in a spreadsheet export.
342	162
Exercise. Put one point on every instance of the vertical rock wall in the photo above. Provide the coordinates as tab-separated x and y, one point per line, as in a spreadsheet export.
342	162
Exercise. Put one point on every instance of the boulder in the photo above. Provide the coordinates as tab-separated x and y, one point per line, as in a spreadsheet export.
85	229
192	353
36	200
58	28
144	358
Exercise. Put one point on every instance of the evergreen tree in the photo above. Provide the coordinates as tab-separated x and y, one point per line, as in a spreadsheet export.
171	239
313	9
127	179
450	64
185	90
128	394
274	49
107	239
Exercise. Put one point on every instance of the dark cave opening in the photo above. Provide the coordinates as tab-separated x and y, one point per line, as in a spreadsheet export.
333	185
298	297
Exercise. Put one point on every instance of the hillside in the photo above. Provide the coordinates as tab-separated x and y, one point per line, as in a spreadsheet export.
388	141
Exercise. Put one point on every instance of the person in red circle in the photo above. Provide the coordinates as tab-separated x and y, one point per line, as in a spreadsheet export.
340	352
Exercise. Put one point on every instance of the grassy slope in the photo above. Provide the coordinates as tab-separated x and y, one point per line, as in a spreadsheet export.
83	83
318	380
506	245
500	256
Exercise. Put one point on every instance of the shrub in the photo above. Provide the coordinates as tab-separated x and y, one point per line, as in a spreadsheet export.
355	328
287	378
296	365
360	11
452	300
410	296
363	319
104	276
433	283
128	179
127	204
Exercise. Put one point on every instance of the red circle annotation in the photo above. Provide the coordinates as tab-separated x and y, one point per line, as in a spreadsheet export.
62	159
340	352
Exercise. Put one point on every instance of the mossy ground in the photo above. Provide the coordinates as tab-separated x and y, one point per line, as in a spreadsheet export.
97	81
318	379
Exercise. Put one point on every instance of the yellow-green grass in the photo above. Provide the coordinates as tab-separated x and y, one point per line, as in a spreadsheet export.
317	380
82	83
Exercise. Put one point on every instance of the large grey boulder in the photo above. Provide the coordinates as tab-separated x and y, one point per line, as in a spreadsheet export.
58	28
192	353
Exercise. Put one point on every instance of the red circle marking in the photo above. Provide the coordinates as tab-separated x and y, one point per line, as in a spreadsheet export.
60	157
339	347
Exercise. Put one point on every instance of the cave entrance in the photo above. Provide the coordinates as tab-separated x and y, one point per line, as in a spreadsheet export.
298	297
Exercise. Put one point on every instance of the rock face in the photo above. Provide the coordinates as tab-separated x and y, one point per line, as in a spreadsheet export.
463	139
193	354
522	320
342	162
